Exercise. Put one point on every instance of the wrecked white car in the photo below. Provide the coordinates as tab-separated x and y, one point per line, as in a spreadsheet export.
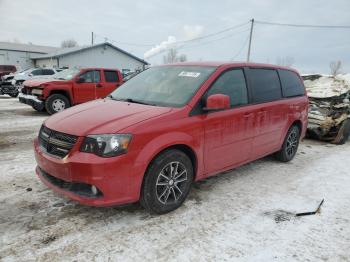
329	110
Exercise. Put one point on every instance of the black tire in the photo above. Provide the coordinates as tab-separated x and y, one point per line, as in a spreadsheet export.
162	190
343	134
13	95
290	145
38	108
52	102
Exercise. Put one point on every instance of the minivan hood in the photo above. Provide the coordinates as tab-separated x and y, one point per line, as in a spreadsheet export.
103	116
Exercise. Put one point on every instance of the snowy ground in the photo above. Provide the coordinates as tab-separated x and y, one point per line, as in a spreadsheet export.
246	214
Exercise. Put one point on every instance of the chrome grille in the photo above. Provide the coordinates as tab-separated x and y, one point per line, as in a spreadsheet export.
56	143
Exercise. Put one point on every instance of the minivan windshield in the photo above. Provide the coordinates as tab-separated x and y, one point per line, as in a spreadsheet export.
169	86
66	74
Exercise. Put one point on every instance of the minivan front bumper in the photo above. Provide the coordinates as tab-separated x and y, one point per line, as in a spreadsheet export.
117	180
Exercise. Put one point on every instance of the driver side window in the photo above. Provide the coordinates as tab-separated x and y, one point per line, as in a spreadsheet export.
231	83
91	76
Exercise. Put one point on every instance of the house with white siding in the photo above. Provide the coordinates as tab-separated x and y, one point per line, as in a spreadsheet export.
20	55
99	55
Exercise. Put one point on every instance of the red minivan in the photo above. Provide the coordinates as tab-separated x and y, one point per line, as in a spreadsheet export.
169	126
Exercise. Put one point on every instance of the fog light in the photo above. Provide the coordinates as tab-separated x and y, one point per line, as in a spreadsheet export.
94	190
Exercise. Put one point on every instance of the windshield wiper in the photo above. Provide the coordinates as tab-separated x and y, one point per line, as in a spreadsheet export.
137	101
131	100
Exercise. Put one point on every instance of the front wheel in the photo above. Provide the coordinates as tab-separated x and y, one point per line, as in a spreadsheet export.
167	182
56	103
290	145
39	108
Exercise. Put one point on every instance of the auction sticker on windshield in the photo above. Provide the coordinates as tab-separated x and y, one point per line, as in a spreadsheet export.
189	74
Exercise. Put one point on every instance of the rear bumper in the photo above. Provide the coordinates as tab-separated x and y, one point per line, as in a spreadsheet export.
117	179
31	100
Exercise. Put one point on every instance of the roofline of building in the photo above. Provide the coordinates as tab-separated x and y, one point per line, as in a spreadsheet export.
52	55
21	50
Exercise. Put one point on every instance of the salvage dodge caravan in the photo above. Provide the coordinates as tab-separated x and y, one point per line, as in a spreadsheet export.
169	126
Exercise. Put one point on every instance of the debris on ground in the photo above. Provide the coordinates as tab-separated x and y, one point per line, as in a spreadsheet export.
318	210
329	109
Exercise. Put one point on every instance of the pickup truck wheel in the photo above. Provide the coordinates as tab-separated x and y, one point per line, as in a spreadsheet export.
56	103
38	108
167	182
290	145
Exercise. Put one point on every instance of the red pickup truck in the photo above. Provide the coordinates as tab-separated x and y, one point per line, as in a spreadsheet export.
69	87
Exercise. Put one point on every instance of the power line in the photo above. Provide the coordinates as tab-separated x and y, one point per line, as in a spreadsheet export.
184	46
303	25
214	40
241	49
177	42
214	34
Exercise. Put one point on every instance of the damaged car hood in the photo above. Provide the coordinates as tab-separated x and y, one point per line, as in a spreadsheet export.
39	81
326	86
329	108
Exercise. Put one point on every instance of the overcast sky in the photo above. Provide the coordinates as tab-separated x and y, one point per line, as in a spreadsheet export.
150	22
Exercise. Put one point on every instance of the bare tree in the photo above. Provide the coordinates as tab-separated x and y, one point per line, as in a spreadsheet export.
173	57
285	61
335	67
69	43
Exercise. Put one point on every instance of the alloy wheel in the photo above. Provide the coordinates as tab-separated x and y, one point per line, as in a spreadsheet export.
292	143
171	183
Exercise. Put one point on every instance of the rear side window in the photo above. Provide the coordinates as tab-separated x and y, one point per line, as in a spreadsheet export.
111	76
291	84
265	85
231	83
91	76
48	72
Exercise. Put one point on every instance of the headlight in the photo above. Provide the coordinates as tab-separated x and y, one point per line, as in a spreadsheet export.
106	145
13	82
37	92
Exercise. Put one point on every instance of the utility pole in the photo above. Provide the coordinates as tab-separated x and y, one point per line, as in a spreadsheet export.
92	38
250	39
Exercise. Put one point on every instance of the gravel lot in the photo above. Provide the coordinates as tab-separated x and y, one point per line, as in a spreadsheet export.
246	214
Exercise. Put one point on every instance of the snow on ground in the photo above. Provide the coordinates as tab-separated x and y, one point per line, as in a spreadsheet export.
244	215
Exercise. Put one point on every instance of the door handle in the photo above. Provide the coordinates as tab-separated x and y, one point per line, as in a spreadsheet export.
98	85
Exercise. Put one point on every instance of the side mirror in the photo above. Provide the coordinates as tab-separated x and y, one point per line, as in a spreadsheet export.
217	102
80	80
